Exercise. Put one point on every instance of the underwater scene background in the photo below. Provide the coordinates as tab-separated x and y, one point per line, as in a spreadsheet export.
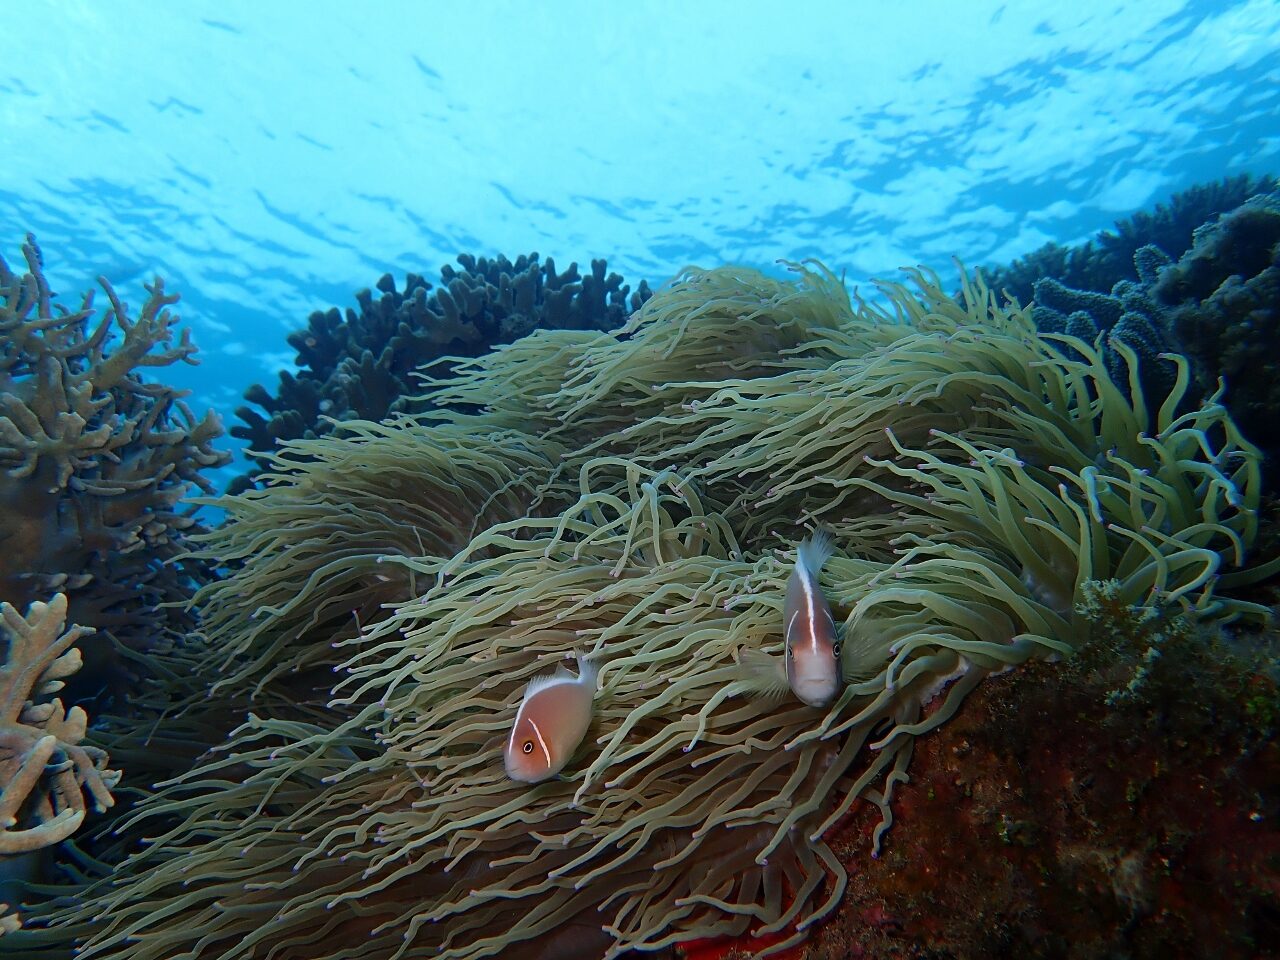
443	450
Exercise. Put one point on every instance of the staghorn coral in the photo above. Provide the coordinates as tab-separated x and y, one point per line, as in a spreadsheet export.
46	771
977	477
362	366
94	461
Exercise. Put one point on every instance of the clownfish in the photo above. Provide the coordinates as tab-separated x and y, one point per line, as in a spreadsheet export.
552	720
812	669
813	646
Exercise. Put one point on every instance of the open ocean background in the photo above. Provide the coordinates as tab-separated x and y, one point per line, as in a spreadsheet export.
270	159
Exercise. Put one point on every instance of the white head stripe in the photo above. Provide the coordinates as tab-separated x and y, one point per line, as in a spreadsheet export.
541	742
807	584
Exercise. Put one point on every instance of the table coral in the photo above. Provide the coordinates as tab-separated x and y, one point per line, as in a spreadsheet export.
95	460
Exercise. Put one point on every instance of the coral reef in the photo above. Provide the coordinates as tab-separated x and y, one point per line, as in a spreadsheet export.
362	366
1101	263
1143	827
635	496
46	770
1221	305
1124	316
1218	304
94	462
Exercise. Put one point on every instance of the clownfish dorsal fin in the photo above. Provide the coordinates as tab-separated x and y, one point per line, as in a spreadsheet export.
544	680
586	675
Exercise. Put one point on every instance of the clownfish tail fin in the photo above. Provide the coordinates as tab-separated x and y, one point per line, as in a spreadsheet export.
588	669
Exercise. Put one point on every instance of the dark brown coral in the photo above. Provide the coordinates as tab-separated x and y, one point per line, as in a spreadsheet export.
95	460
362	365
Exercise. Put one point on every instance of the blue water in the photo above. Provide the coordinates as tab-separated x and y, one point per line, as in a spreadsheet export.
269	159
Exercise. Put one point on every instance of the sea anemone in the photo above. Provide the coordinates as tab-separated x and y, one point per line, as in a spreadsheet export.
976	477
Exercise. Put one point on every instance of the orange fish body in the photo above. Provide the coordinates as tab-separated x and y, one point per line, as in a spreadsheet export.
813	645
550	723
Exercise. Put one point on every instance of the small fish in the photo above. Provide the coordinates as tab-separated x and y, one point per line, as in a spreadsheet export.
812	669
813	646
551	722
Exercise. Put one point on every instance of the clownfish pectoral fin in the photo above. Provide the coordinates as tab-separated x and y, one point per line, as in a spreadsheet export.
864	652
766	675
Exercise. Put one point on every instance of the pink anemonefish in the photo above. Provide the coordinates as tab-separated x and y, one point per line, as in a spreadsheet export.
813	647
812	668
552	720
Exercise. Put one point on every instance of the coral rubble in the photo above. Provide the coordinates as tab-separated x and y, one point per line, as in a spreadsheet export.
95	461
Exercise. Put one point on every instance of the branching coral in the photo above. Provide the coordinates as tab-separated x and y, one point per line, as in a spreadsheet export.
363	365
96	460
1099	264
975	474
1217	303
1220	303
46	771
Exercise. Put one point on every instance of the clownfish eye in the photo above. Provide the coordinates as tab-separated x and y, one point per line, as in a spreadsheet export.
835	648
528	746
